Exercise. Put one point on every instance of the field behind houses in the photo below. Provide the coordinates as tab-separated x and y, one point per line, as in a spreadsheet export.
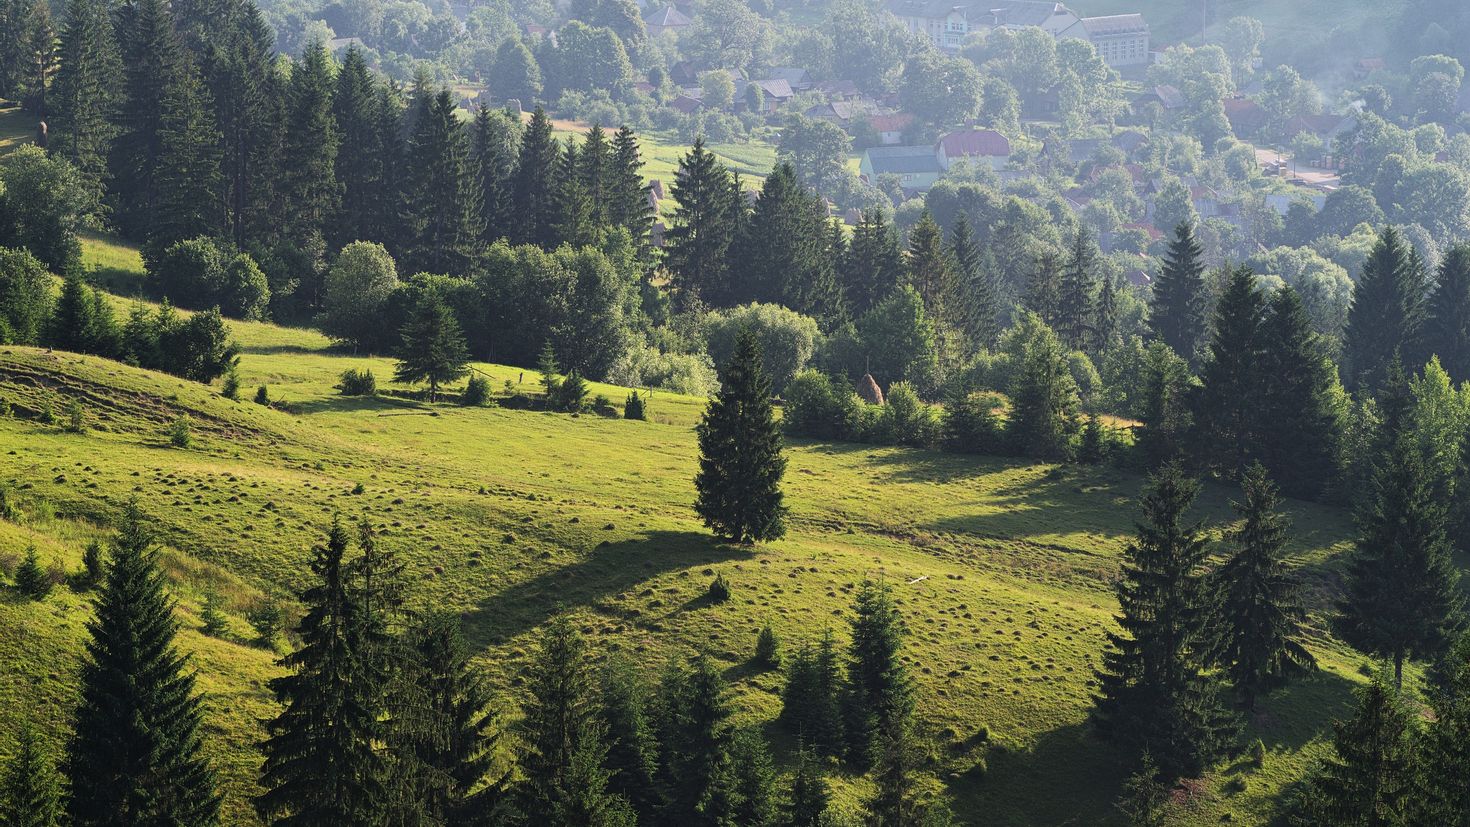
1003	568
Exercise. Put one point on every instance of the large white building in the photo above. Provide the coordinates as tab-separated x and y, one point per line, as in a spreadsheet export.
1120	39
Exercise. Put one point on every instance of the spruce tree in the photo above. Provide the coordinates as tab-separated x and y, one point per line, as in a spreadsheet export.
1155	693
740	461
1261	615
496	142
879	693
309	191
699	237
632	756
150	58
809	796
896	769
1401	600
812	699
84	98
928	267
977	297
594	171
576	213
1447	328
1444	750
189	201
694	740
1043	294
432	349
1386	314
441	210
784	251
30	578
1077	302
752	781
872	267
1178	314
1107	334
30	794
1369	780
359	169
628	204
1297	400
534	193
1226	406
322	765
1042	422
136	749
246	87
212	620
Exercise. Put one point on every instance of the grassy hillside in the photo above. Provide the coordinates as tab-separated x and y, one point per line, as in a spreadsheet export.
1003	568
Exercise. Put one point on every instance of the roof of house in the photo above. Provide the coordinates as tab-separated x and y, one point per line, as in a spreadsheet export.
1169	95
1027	12
975	142
776	88
667	16
924	8
1245	115
892	122
337	44
685	104
794	75
1129	140
902	159
839	88
1114	24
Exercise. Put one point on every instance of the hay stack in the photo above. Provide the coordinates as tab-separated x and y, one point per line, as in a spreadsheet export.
868	390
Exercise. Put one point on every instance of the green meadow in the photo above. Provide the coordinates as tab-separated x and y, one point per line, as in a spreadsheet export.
1003	568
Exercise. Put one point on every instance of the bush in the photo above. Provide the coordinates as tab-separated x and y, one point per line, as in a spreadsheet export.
787	338
1098	442
971	426
212	618
208	272
76	421
818	407
476	392
569	395
32	581
357	383
635	407
602	406
181	432
92	565
8	511
647	367
905	420
719	589
768	647
265	617
262	396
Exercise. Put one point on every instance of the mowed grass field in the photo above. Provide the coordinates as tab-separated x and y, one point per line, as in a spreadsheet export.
1003	568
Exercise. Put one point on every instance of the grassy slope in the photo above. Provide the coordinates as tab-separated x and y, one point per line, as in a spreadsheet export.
1003	568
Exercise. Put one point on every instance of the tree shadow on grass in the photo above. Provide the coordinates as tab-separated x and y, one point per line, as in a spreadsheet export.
1292	716
1066	777
602	573
385	405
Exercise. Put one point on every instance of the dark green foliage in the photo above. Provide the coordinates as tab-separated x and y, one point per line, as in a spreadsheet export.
84	97
627	203
740	461
1369	780
495	143
1096	445
243	78
809	797
1043	294
1401	600
1144	797
752	781
433	349
767	647
1155	693
719	589
979	304
83	321
321	762
1226	406
534	192
188	182
92	571
362	169
30	794
694	739
30	578
816	406
358	383
785	252
136	741
212	620
309	187
517	75
570	395
1105	333
1043	417
896	765
928	268
702	230
196	348
1178	314
151	56
441	206
971	426
1077	302
1261	615
811	702
1444	749
207	272
25	297
1297	400
632	755
42	205
476	392
265	618
262	396
636	407
879	697
1166	415
1447	328
1386	315
181	431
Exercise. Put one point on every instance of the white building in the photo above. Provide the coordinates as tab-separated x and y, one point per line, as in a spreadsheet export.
1120	39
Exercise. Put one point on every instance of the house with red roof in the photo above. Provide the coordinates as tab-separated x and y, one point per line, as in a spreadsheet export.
890	127
978	146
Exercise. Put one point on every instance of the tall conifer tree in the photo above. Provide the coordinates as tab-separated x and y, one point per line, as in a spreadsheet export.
702	230
1369	781
1155	693
189	200
1043	295
135	756
151	55
30	795
359	169
496	142
309	190
740	462
632	755
694	737
536	183
441	210
628	205
873	265
246	87
1226	406
1178	312
974	277
1386	315
784	251
880	696
84	98
1297	400
1447	328
1077	305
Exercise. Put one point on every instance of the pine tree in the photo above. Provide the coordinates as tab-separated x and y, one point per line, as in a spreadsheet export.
1369	781
873	266
809	797
1386	315
84	98
1144	796
979	303
246	87
536	184
752	781
740	463
1154	692
632	756
1447	328
92	571
1178	313
30	578
189	201
321	762
1043	418
1443	759
576	222
1260	614
1402	601
928	266
150	58
30	794
136	745
441	211
1043	294
784	251
1076	307
433	349
496	143
594	172
360	169
1226	406
1297	400
1107	316
880	697
212	620
309	190
38	43
694	739
701	232
896	767
628	204
811	701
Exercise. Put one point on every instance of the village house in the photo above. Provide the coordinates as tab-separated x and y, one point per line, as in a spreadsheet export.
774	93
1120	39
979	146
665	19
890	127
917	167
